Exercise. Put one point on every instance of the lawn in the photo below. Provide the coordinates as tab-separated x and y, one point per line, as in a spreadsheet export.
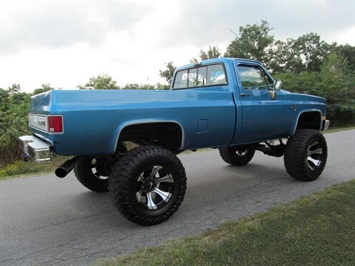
314	230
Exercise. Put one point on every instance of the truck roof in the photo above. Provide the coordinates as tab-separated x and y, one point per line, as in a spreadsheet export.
219	60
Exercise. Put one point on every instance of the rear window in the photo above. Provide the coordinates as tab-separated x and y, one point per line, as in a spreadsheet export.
211	75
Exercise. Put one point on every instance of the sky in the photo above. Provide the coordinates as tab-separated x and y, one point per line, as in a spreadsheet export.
64	43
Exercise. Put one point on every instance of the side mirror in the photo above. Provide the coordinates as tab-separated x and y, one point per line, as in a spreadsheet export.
277	84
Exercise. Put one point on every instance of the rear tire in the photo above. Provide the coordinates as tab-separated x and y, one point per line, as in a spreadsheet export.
148	185
306	154
87	171
237	155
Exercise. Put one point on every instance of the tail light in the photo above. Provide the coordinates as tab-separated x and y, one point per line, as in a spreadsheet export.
55	124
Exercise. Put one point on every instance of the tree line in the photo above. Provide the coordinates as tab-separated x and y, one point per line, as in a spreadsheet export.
306	64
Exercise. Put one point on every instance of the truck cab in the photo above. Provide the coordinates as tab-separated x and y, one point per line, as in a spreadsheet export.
262	109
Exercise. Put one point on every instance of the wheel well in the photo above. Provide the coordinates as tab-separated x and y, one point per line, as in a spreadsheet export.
310	120
167	135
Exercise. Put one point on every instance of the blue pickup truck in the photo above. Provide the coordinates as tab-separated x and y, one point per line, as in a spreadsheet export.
126	142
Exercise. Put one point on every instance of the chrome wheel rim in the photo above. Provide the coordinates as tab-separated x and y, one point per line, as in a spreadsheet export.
242	152
97	164
314	155
155	188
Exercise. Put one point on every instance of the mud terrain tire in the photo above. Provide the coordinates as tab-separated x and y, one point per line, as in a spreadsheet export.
148	185
87	174
306	154
237	155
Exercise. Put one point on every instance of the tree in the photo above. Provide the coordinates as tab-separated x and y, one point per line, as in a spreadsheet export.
338	82
14	106
146	87
160	86
134	86
254	42
306	53
282	57
334	68
44	88
348	52
101	82
334	81
131	86
14	89
338	86
168	72
212	52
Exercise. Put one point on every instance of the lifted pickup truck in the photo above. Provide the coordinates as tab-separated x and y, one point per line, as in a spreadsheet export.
231	104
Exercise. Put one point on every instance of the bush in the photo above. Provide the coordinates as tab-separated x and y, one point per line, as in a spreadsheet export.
333	83
14	107
341	115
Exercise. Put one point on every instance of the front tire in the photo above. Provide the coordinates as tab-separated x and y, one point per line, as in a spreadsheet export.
148	185
237	155
306	154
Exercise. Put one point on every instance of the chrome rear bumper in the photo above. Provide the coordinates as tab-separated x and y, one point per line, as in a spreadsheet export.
36	149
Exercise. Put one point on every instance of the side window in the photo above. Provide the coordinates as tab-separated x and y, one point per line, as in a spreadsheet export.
211	75
181	79
216	75
254	77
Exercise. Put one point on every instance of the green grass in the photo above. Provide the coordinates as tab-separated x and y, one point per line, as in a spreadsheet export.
21	168
315	230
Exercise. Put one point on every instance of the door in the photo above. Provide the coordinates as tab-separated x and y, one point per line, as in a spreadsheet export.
262	117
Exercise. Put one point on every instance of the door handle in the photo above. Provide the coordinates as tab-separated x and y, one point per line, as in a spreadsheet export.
244	94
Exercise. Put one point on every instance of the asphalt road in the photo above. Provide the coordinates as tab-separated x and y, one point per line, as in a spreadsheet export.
50	221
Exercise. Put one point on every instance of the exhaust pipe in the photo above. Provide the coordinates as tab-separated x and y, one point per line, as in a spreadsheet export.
25	157
66	167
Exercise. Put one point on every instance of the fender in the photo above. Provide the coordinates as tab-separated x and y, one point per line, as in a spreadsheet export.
146	122
294	128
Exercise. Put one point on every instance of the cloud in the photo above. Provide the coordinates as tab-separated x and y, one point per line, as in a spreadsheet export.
209	22
63	24
294	19
346	36
64	43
